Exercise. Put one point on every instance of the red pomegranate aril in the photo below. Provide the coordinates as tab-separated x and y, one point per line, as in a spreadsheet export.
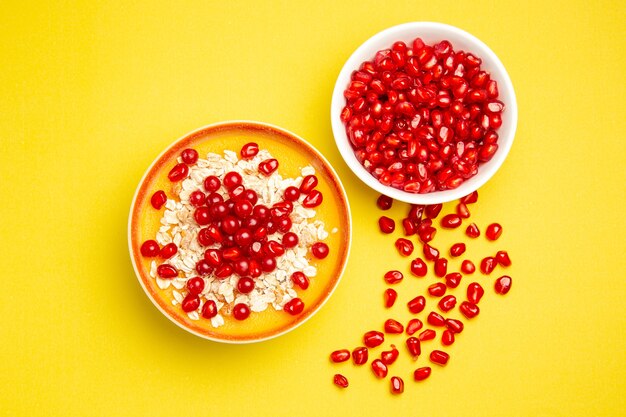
393	327
214	198
447	338
202	216
223	271
212	184
384	202
393	277
209	309
290	240
419	267
167	271
457	249
360	355
386	224
203	267
291	193
249	150
413	326
409	227
313	199
245	285
254	269
447	303
168	251
467	267
427	334
389	356
340	380
430	253
243	208
308	184
373	338
472	231
462	211
320	250
339	356
189	156
433	210
503	284
487	265
414	346
241	267
441	267
397	385
268	264
158	199
390	297
436	319
294	307
451	221
197	198
243	237
493	232
214	256
421	374
232	179
149	248
427	234
469	310
453	279
454	325
274	249
439	357
299	279
241	311
475	292
404	246
268	167
379	368
437	290
178	173
417	304
190	303
502	257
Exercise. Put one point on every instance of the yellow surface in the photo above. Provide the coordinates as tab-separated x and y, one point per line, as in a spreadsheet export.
93	91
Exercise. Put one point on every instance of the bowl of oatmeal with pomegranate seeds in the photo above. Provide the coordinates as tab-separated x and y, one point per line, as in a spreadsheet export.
239	231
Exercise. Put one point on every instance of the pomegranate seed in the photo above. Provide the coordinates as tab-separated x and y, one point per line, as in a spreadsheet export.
384	202
493	232
389	356
291	193
320	250
167	271
168	251
451	221
453	279
409	227
241	311
178	173
437	290
340	355
379	368
413	326
203	267
455	326
457	249
197	198
386	224
418	267
249	150
472	231
189	156
469	310
313	199
487	265
393	326
223	271
360	355
190	303
308	184
439	357
503	284
441	267
462	211
158	199
294	307
447	303
404	246
245	285
474	292
414	346
467	267
195	285
340	380
373	338
300	280
268	166
202	216
232	180
390	297
393	277
502	257
211	184
470	198
397	385
447	338
290	240
149	248
427	334
432	211
417	304
209	309
430	253
435	319
421	374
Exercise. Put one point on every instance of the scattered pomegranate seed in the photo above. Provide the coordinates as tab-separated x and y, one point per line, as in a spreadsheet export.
245	285
418	267
158	199
404	246
393	277
435	319
433	210
393	326
439	357
167	271
441	267
209	309
190	303
417	304
430	253
268	166
414	346
313	199
384	202
294	307
178	173
340	380
503	284
457	249
487	265
413	326
397	385
149	248
427	334
454	325
320	250
379	368
189	156
389	356
195	285
467	267
308	184
360	355
447	303
475	292
470	198
472	231
390	297
462	211
168	251
493	232
469	310
249	150
421	374
340	355
203	267
386	225
373	338
437	290
451	221
447	338
453	279
300	280
502	257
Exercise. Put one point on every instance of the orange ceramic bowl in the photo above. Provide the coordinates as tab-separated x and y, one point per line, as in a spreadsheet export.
293	153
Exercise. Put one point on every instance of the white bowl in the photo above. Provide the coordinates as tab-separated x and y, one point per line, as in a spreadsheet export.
431	33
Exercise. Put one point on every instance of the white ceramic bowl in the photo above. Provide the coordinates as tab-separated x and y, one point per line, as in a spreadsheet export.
431	33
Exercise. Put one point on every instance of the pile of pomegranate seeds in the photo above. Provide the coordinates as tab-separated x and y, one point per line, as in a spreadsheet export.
434	307
421	118
236	237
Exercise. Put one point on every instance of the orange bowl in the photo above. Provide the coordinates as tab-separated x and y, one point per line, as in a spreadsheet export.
293	153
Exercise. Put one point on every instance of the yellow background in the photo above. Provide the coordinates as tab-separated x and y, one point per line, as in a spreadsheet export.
92	91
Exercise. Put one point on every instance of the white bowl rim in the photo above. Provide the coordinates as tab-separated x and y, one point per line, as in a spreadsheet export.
486	171
340	273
